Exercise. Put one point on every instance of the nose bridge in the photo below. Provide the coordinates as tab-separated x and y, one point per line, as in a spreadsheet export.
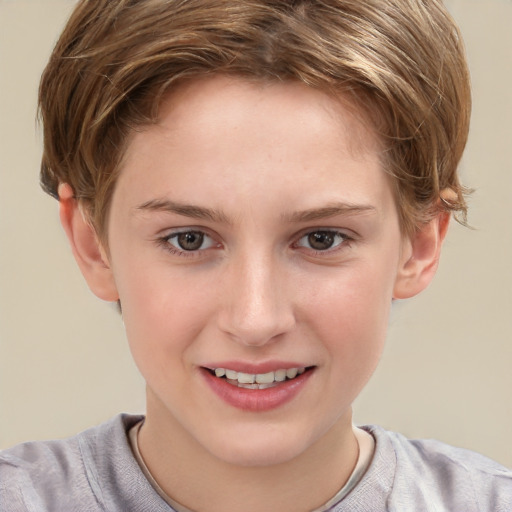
256	308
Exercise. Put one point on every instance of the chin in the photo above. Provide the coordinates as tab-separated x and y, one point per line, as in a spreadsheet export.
259	449
251	457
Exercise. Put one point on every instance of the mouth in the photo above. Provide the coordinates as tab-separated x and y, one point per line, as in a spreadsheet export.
257	392
258	380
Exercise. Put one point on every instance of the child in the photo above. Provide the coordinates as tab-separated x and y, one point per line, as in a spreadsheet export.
254	183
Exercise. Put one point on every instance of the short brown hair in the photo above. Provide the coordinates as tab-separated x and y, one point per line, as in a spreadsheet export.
401	61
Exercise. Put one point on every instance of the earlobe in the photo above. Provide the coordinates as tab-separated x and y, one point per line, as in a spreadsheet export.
420	257
87	250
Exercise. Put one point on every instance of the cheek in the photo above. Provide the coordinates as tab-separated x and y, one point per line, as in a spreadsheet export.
355	295
163	312
350	315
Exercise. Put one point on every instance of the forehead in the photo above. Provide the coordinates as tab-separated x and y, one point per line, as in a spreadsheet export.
252	137
267	105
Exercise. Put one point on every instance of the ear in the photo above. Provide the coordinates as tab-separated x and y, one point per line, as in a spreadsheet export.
87	249
420	257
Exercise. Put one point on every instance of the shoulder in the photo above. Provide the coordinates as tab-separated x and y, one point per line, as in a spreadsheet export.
43	475
455	478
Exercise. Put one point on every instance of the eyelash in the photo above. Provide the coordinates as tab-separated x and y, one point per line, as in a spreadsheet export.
344	241
167	245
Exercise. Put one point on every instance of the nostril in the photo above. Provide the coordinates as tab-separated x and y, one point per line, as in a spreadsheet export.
257	328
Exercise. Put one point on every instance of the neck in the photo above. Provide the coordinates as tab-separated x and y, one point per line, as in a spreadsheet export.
199	480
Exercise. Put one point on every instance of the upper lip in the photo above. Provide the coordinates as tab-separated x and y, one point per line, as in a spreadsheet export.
255	368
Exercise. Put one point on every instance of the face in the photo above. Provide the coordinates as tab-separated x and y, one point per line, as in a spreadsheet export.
255	245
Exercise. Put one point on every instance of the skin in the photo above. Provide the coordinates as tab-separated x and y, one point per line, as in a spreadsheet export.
267	165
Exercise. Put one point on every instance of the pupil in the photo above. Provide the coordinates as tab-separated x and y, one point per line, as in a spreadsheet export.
190	241
321	240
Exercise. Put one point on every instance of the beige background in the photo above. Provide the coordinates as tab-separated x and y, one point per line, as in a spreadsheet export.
446	373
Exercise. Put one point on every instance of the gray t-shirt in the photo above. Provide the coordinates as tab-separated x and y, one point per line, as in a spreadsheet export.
96	471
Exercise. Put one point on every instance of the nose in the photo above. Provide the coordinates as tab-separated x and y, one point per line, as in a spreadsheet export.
256	308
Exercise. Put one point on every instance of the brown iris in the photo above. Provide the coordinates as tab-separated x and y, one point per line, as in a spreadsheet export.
190	240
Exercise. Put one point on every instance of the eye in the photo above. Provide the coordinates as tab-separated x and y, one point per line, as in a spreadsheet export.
190	241
322	240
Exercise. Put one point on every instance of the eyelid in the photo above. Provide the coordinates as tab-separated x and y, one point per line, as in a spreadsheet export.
347	238
205	237
168	234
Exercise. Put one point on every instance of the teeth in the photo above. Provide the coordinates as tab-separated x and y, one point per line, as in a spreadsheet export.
265	386
231	375
280	375
246	378
292	373
259	380
264	378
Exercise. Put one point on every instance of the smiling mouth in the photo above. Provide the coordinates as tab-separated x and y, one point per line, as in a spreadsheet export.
258	380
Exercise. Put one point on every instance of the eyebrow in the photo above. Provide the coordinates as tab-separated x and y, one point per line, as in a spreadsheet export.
332	210
187	210
200	212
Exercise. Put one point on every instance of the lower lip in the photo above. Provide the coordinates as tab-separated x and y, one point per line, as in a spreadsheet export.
256	400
